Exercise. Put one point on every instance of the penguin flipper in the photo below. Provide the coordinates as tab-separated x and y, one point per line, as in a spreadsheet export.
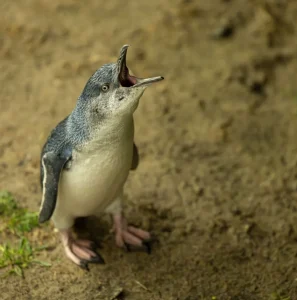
135	158
52	165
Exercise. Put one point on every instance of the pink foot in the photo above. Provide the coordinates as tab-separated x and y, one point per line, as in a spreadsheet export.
127	236
81	252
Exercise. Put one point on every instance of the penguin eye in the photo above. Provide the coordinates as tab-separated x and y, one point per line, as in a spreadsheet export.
105	88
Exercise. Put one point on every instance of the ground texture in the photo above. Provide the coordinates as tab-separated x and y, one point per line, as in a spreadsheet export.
217	182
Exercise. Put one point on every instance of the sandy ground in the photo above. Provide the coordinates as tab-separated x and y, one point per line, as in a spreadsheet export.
217	182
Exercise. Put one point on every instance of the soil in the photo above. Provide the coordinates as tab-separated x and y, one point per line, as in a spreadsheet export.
217	180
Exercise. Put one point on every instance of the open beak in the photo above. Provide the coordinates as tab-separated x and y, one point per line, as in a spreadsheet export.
127	80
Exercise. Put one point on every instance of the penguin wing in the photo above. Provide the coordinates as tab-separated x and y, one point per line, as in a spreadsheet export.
52	165
135	158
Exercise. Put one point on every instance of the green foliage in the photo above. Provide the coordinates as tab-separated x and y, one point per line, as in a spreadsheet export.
7	204
23	221
17	221
18	257
277	296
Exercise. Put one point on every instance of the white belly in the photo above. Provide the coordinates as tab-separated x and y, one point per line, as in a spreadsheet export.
92	182
97	173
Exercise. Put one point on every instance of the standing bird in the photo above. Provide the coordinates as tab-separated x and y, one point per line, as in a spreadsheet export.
86	160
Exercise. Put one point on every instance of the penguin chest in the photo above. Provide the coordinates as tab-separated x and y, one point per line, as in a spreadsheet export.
95	178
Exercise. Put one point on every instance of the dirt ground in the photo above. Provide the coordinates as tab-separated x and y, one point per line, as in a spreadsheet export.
217	182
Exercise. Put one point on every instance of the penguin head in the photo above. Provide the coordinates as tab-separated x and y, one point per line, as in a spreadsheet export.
112	91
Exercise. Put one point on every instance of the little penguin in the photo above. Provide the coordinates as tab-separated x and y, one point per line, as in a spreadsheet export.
87	158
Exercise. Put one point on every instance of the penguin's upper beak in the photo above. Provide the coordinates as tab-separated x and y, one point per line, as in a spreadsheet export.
127	80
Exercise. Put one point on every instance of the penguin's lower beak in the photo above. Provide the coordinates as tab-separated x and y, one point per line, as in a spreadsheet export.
147	81
127	80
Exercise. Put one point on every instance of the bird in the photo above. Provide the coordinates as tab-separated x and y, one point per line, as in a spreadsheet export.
87	158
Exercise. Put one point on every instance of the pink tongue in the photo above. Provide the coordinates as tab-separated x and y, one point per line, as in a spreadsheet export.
128	80
132	79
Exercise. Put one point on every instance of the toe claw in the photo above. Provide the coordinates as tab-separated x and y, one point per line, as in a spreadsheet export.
128	248
148	247
84	265
97	259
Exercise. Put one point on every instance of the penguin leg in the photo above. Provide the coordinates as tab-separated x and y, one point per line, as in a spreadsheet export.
126	235
81	252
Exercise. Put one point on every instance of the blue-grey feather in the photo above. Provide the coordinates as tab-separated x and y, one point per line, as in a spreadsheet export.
75	129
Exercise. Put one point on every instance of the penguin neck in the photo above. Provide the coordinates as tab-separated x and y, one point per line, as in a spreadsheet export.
85	128
115	129
111	133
